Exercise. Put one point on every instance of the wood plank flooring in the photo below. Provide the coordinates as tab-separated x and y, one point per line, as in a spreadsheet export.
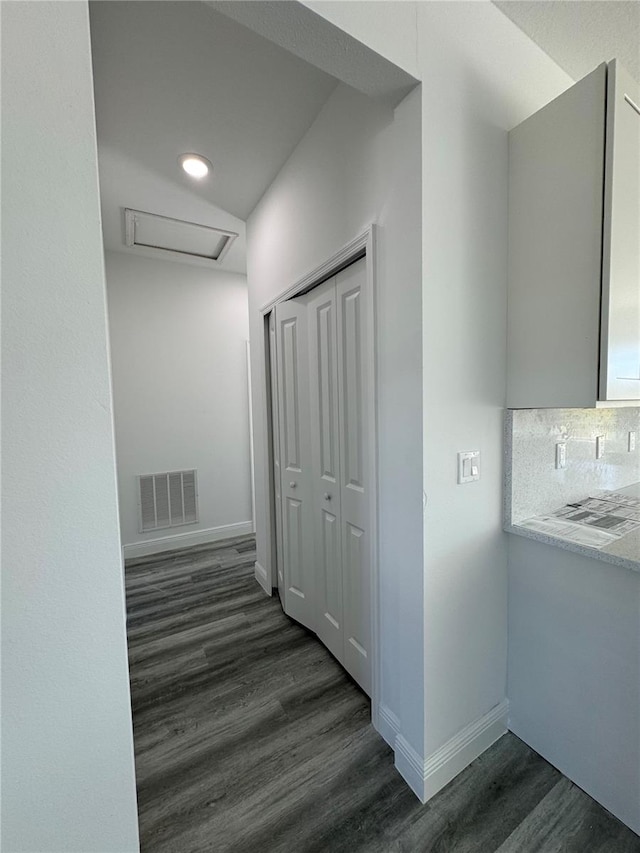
250	737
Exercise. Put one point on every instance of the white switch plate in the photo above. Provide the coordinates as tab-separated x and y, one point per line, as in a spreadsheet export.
599	446
561	454
468	466
631	446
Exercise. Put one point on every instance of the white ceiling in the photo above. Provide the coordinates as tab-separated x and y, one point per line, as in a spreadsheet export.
580	34
125	182
175	77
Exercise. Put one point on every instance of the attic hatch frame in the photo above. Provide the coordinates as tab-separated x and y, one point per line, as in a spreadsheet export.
132	218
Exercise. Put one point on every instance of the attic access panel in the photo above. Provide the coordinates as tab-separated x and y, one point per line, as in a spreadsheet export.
152	231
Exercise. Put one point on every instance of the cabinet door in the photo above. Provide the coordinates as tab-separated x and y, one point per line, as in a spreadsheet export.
325	464
620	339
354	486
293	410
556	179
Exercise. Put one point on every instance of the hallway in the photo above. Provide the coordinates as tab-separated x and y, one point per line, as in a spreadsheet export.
250	737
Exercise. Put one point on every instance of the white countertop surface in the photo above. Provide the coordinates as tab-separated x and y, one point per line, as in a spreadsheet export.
624	552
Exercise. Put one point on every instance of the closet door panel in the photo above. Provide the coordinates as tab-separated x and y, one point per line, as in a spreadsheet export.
330	581
325	464
293	409
351	294
356	582
351	317
295	547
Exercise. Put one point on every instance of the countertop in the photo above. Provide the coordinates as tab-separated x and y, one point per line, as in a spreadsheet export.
624	552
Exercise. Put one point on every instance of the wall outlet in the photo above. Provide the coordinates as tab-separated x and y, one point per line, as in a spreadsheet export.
468	466
631	443
561	454
599	446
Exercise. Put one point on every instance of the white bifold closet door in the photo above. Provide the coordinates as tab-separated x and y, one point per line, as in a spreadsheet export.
297	557
354	487
335	492
325	465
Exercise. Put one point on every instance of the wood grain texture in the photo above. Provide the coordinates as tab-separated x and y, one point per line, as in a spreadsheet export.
250	737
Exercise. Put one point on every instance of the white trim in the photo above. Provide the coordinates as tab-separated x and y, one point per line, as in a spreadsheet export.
410	765
386	723
371	260
345	256
364	245
617	404
251	449
186	540
427	777
131	218
261	576
272	436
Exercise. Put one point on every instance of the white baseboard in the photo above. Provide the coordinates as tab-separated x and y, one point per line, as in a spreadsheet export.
410	765
427	776
263	578
185	540
386	724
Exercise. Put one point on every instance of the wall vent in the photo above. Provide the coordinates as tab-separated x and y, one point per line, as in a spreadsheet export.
176	236
167	500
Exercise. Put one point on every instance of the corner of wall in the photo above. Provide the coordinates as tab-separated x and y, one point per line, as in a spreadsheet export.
427	776
386	723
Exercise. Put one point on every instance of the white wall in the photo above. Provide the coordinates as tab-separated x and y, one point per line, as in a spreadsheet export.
485	77
481	76
179	362
359	164
67	752
574	669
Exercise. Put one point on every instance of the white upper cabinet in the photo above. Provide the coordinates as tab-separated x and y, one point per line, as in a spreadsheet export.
574	248
620	344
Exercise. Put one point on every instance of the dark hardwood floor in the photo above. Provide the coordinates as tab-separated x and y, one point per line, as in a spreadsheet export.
250	737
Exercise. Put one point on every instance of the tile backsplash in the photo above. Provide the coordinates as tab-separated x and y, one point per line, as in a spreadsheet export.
534	486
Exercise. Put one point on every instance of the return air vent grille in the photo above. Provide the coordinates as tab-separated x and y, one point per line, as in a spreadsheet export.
167	500
163	234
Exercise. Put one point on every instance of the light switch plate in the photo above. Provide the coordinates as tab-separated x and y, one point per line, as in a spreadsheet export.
561	454
468	466
599	446
631	443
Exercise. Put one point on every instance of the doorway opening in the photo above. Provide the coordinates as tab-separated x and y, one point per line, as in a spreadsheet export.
194	622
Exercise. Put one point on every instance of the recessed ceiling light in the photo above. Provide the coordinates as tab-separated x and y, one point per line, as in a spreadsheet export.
195	165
